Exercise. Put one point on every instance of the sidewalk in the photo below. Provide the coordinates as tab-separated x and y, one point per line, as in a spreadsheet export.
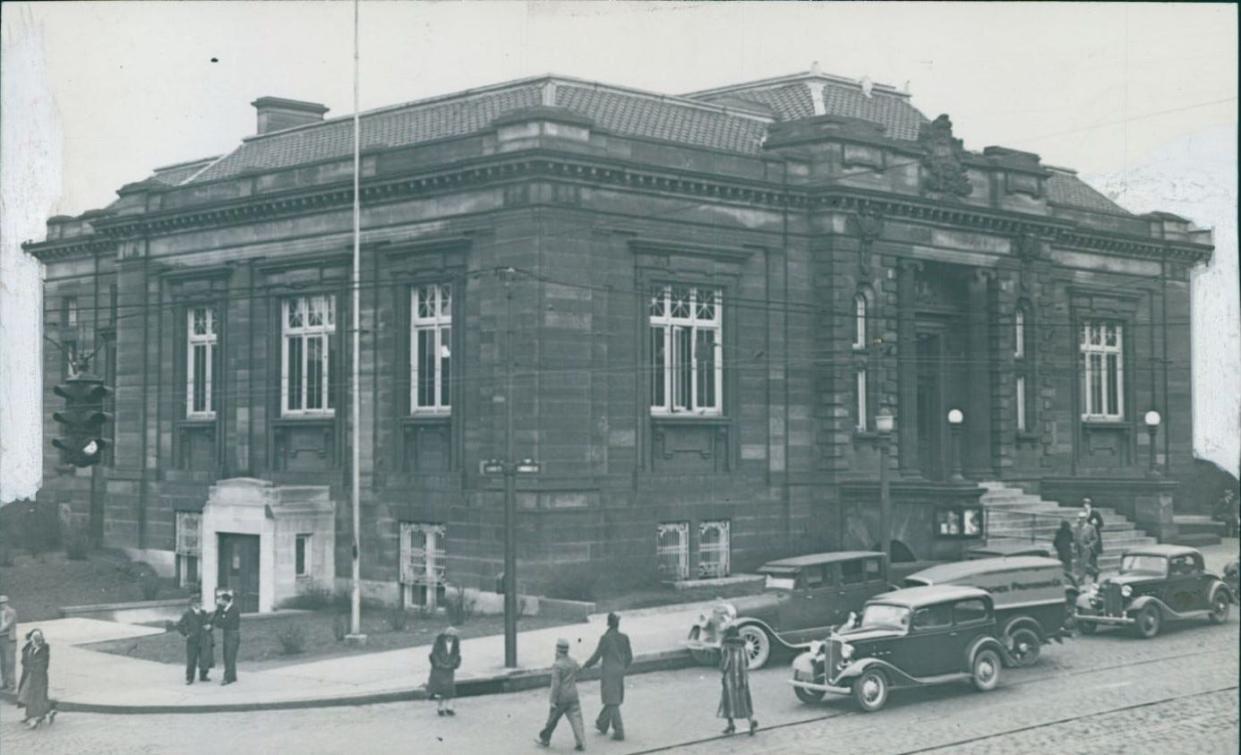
86	680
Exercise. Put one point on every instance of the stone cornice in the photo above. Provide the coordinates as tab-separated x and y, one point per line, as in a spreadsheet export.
541	163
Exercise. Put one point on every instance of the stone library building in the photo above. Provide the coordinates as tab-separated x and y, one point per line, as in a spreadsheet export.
705	316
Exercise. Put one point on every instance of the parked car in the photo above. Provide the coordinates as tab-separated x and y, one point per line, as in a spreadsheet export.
1156	583
1032	598
803	597
907	638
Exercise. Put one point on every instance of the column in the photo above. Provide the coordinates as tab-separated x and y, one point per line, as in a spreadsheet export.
977	432
907	367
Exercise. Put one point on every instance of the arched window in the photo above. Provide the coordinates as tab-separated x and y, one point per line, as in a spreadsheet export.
859	321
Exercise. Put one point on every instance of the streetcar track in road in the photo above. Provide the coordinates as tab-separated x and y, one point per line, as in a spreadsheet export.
1032	680
1069	720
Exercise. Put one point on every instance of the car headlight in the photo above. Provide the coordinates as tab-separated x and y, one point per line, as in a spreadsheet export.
846	650
1126	591
816	648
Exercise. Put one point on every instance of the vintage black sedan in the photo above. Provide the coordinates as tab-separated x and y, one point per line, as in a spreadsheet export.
803	598
906	638
1156	583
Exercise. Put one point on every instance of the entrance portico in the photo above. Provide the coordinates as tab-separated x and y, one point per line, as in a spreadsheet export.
266	543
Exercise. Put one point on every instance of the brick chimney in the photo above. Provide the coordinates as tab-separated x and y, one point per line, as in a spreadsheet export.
276	113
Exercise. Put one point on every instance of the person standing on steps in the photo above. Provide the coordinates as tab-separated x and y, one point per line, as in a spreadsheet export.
1063	543
735	699
1084	539
445	660
616	655
228	619
8	644
564	699
1096	520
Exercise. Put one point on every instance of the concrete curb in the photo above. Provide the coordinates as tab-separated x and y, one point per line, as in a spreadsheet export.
472	687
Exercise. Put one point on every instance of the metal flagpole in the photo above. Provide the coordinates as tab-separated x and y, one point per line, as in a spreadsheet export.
355	608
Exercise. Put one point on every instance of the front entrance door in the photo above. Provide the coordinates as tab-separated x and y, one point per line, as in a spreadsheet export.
931	440
239	569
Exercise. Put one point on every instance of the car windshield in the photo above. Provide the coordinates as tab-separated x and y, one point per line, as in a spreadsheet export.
1139	564
781	581
886	616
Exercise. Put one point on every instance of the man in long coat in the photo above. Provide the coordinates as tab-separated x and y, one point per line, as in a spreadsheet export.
1095	519
616	655
1085	538
228	618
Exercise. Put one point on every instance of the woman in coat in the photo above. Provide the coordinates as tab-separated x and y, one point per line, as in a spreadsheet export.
32	691
445	659
1063	544
735	675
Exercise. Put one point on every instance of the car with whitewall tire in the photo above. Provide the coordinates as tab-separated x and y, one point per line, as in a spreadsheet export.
915	637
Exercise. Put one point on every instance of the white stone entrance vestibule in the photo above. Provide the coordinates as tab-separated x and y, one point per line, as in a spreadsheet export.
278	539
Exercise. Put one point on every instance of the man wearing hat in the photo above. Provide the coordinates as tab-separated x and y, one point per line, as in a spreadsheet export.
615	653
228	618
8	644
564	700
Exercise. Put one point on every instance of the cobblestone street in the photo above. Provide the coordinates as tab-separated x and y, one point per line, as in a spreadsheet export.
1108	693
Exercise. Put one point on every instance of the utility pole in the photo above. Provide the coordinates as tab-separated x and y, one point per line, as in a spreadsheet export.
509	469
355	384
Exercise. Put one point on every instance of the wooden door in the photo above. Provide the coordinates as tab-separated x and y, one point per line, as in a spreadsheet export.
239	569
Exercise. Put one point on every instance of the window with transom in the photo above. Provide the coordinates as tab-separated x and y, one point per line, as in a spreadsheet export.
308	355
201	340
189	525
686	332
859	321
1023	362
1102	370
430	349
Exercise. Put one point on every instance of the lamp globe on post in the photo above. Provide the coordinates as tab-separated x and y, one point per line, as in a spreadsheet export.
1152	420
883	425
956	418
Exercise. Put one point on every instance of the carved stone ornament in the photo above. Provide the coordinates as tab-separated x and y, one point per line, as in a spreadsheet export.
944	159
868	223
1028	247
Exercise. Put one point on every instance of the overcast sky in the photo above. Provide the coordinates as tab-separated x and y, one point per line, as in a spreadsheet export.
95	95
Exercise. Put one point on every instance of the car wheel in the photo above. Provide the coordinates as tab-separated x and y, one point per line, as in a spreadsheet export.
1220	606
757	645
1086	627
808	696
1024	646
870	690
986	671
1148	622
701	657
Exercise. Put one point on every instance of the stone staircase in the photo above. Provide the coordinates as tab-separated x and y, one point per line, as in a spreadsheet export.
1014	516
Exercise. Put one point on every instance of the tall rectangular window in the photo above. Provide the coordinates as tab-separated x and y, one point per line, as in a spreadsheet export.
686	332
1021	403
308	355
1102	369
69	334
860	402
430	350
201	342
188	546
301	556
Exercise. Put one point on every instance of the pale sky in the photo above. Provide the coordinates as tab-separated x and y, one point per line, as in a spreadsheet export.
95	95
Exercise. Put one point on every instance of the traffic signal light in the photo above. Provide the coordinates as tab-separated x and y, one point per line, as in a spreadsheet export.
81	442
